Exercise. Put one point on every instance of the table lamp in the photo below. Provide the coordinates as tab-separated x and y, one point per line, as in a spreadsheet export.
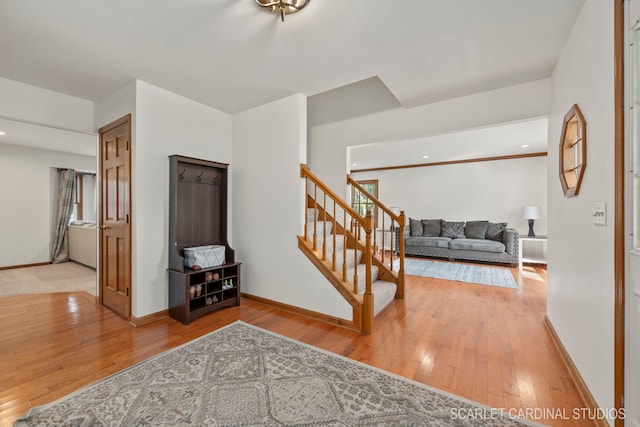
531	213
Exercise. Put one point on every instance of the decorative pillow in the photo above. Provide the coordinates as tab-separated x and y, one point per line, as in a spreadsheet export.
415	227
476	229
452	230
431	227
495	231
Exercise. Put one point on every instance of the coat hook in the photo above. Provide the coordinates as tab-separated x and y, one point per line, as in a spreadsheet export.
181	174
200	177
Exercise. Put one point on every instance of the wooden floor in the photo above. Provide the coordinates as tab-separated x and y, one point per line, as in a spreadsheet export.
480	342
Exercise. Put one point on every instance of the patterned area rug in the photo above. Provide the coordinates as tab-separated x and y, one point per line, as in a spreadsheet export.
241	375
492	276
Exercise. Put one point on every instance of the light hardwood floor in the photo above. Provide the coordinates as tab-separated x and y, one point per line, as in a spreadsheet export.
480	342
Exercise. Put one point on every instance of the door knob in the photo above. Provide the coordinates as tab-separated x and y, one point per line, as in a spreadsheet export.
105	227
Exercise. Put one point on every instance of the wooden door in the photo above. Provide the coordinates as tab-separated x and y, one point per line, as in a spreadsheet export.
115	216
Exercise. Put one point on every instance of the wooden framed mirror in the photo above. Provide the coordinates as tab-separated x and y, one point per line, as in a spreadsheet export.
573	151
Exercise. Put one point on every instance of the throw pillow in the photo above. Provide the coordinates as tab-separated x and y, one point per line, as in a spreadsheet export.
431	227
495	231
476	229
415	227
452	230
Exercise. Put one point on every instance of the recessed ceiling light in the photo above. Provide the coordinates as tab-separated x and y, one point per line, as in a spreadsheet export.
355	164
2	133
425	157
524	145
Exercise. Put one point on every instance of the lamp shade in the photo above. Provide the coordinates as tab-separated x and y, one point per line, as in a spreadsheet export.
530	212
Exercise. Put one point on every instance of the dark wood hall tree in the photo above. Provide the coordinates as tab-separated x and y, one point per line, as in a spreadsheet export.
198	217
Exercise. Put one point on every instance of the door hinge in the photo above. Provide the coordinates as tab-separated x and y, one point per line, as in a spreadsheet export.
127	291
127	218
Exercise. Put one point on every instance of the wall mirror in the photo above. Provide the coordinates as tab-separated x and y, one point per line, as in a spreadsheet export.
573	151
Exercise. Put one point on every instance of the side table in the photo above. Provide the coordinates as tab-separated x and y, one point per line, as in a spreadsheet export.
532	250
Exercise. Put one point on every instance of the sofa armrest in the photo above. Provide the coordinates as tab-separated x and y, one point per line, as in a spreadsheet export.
510	241
397	236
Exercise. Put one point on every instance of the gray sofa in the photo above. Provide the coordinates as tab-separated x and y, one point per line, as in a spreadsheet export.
469	241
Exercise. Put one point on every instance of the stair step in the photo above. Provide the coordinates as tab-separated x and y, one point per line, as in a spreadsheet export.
353	257
319	227
383	293
362	277
329	243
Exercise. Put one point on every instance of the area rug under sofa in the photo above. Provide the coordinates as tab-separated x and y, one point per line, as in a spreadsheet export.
244	375
479	274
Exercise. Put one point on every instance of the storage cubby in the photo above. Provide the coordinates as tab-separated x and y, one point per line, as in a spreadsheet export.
198	217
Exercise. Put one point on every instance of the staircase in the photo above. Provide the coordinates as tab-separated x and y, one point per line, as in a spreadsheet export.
345	247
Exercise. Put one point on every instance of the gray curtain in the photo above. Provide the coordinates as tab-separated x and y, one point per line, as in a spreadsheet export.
60	246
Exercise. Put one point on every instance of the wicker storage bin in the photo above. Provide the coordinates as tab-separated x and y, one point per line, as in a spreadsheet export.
204	256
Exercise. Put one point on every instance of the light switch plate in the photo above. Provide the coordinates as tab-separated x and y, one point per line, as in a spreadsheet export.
600	213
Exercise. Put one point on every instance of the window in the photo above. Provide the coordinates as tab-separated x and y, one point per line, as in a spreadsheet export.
77	196
573	151
84	197
360	202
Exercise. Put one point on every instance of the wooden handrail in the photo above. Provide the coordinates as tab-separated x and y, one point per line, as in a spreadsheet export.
306	173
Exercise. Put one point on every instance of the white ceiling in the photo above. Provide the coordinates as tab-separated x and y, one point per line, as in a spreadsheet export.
502	140
231	55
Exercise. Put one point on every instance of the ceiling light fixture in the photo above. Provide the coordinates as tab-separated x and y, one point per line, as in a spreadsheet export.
425	157
283	7
2	133
524	145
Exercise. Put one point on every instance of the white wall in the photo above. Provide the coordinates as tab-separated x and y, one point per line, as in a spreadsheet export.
25	220
163	124
25	102
580	290
166	124
118	105
494	191
268	208
328	157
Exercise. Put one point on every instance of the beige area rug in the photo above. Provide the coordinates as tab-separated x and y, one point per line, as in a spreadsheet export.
242	375
43	279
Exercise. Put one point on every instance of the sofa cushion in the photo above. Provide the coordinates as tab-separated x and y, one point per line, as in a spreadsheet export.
431	227
453	230
495	231
476	229
477	245
433	242
415	227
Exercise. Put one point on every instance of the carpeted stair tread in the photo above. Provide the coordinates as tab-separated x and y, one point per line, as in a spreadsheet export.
319	228
383	293
329	242
362	275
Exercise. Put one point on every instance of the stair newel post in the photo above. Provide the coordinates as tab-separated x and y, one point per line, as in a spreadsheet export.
355	260
304	175
400	289
367	309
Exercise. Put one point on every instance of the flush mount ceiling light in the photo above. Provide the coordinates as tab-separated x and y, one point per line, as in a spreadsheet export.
283	7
